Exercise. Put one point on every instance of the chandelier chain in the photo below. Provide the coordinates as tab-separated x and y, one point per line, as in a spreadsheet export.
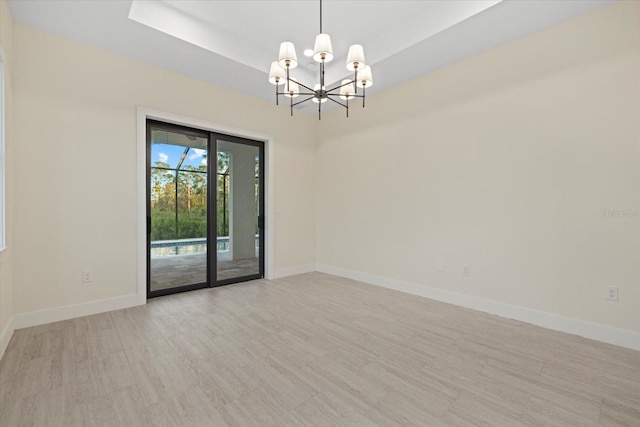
320	16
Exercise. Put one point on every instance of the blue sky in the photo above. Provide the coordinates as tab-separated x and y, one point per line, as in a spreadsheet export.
171	154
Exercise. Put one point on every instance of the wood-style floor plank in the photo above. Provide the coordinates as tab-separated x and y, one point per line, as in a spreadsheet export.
311	350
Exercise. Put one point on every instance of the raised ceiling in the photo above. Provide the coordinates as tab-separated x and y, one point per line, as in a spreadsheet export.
232	43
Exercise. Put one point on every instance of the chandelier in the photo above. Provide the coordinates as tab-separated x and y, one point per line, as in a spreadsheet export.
279	75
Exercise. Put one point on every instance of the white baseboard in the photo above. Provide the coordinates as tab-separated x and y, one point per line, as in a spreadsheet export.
6	335
591	330
292	271
34	318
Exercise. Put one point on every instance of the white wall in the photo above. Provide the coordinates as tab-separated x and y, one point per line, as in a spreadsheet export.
75	166
6	264
503	162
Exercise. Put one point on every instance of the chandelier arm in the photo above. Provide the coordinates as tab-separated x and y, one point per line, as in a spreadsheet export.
350	96
289	79
355	79
304	100
311	94
337	102
306	87
342	85
364	92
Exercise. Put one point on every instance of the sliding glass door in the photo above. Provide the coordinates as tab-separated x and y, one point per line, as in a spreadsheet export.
177	208
204	213
240	201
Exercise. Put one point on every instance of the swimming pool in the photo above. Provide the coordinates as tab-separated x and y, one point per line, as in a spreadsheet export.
161	248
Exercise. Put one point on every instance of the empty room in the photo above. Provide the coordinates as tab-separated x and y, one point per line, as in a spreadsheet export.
320	213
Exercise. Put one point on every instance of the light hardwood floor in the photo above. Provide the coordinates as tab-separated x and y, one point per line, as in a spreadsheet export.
311	350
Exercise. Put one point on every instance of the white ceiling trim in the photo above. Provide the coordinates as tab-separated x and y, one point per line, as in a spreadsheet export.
164	17
184	21
232	43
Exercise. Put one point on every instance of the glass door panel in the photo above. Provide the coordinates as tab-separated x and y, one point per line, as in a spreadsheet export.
196	203
239	210
177	209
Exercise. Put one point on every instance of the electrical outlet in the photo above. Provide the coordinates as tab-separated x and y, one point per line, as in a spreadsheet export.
611	293
466	271
440	266
86	277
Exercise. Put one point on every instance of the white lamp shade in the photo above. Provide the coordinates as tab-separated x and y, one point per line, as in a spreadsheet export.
356	56
365	78
287	53
348	90
293	89
322	48
276	74
318	100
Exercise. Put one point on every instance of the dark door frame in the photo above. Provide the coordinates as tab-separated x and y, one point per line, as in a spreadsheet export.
261	223
212	147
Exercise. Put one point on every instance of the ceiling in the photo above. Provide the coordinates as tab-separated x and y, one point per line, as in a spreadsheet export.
232	43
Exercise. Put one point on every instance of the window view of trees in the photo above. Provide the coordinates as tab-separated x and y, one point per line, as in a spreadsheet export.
187	187
179	200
